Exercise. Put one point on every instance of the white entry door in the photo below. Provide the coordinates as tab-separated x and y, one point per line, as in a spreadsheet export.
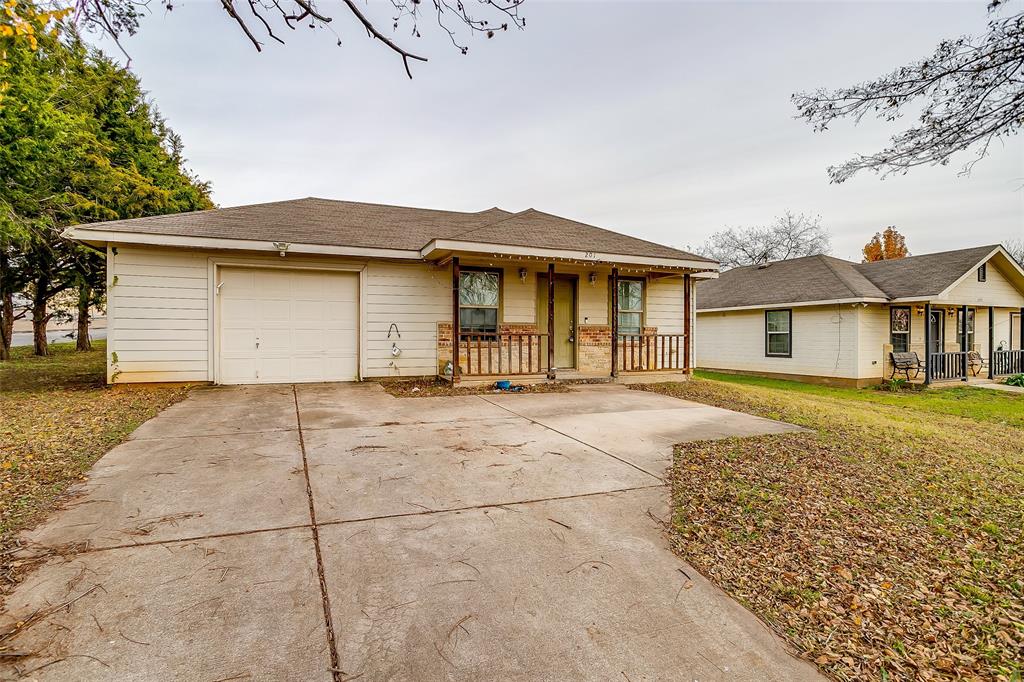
284	326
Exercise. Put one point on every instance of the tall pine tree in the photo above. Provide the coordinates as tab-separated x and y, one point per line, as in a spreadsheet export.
79	143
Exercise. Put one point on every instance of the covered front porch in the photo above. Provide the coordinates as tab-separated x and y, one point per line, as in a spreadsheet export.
961	343
529	318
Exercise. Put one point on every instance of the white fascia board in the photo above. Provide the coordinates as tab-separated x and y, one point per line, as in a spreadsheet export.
588	256
88	236
800	304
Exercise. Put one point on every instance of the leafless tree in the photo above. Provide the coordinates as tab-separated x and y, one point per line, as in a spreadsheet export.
971	89
788	236
259	19
1015	247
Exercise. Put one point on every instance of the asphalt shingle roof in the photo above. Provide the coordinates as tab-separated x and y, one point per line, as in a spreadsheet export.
824	278
925	275
349	223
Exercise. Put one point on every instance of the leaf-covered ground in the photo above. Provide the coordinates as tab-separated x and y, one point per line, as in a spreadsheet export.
888	543
56	419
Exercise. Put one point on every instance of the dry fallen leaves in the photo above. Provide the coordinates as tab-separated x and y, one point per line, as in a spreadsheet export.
887	544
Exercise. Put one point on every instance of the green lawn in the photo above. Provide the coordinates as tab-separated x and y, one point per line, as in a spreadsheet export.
962	401
887	542
56	418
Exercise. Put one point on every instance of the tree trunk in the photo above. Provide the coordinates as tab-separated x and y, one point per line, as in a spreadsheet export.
6	324
82	341
39	320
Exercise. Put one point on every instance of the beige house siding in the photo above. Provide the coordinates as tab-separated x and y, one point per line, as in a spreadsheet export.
414	296
996	290
163	309
519	302
825	342
160	312
665	305
157	315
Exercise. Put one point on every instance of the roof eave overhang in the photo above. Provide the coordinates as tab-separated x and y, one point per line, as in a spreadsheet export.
103	237
442	248
795	304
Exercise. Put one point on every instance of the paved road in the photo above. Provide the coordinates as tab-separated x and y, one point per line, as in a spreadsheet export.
281	532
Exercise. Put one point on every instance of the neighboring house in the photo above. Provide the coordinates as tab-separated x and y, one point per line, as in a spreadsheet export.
828	320
319	290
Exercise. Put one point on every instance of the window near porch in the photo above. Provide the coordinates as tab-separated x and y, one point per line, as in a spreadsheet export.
960	327
899	329
778	333
479	292
631	306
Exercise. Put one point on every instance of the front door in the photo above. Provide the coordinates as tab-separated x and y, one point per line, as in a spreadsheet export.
937	331
564	338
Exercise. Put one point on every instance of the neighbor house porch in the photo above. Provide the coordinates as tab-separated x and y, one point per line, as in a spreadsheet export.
955	342
531	318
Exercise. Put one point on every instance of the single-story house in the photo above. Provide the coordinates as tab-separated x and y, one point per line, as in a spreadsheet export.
316	290
828	320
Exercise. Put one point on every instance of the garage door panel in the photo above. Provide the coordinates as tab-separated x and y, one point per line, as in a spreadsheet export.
306	323
275	340
309	340
275	310
241	309
238	370
303	310
238	340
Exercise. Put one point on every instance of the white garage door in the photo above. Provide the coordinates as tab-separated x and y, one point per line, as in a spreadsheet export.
283	326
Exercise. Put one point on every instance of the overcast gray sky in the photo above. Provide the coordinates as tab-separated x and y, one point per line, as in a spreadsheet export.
666	120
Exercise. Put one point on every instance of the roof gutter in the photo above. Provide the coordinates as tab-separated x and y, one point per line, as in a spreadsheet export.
88	236
440	247
797	304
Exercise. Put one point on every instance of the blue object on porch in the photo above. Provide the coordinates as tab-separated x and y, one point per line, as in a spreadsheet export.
503	385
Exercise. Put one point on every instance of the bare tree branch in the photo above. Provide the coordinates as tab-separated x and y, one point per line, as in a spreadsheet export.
788	236
115	17
973	93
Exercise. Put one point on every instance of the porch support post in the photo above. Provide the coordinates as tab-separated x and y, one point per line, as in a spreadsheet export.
991	341
927	343
963	344
687	329
456	321
615	322
1021	320
551	320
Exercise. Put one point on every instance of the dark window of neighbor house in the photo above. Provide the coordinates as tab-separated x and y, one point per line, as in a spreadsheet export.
983	272
778	337
479	293
960	327
899	329
631	306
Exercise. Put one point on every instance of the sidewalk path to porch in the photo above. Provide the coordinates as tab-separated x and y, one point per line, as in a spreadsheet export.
332	531
996	386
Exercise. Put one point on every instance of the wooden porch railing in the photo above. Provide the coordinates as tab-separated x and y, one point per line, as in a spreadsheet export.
1006	362
505	353
651	352
951	365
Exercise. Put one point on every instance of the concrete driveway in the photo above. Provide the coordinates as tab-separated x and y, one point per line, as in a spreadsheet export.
324	532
